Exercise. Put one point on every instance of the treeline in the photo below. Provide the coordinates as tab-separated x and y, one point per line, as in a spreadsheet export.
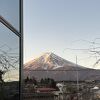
30	81
49	82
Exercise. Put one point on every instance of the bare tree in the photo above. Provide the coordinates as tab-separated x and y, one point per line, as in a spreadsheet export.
8	60
93	49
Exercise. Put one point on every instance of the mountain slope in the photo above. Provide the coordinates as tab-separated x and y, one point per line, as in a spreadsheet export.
50	61
53	66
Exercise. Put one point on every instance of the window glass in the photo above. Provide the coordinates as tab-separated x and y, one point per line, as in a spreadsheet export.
9	9
9	64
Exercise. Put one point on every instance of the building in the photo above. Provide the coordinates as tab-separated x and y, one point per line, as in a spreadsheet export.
39	96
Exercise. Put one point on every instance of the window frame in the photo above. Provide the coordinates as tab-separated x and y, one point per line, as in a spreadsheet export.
20	35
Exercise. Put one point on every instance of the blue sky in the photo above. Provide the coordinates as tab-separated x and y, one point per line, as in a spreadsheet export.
10	11
9	42
54	25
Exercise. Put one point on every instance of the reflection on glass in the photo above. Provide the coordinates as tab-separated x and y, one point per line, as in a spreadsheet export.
9	64
9	9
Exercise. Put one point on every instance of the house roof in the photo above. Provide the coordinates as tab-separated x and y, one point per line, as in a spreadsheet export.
45	89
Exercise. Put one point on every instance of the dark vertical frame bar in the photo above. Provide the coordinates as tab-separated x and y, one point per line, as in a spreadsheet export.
21	48
20	35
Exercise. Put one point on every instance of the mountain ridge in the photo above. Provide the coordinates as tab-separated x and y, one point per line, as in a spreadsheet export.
53	59
52	66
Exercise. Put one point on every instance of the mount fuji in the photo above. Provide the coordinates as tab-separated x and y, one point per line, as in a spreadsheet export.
50	61
52	66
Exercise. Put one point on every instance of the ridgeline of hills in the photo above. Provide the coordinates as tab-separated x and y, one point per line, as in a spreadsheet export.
53	66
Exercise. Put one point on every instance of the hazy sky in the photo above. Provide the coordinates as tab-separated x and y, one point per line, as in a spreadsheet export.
54	25
9	9
9	42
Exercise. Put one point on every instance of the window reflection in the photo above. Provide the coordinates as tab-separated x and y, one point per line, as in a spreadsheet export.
9	9
9	64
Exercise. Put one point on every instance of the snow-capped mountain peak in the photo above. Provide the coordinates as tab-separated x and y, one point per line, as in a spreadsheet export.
49	61
60	69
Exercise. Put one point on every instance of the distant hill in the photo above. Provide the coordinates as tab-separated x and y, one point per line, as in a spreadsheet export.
53	66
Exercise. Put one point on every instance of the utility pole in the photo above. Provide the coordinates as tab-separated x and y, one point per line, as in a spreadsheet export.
77	76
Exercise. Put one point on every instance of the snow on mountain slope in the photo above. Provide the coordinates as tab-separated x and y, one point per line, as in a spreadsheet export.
53	66
49	61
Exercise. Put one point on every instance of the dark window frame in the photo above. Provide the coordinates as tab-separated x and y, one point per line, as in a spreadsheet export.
20	35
